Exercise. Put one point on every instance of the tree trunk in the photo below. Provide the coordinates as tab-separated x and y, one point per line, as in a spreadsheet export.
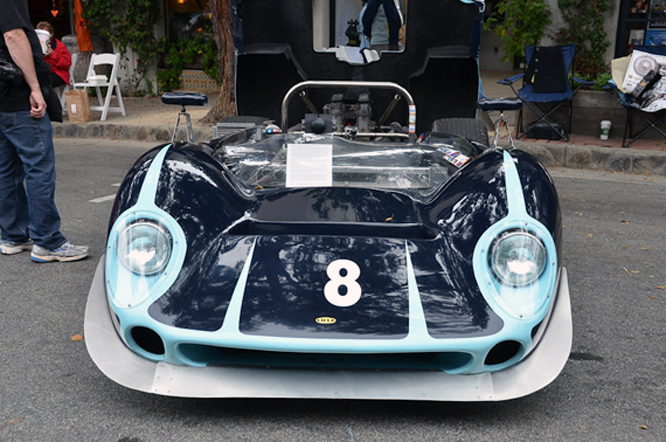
223	28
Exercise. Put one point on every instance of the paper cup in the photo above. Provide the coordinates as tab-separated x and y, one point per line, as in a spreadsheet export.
605	129
44	37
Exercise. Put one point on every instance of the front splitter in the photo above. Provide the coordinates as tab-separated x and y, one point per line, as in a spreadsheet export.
128	369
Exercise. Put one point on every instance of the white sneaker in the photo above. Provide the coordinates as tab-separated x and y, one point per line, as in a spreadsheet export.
65	253
12	248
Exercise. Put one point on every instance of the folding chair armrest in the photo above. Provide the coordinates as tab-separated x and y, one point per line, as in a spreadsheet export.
611	86
510	80
622	98
582	82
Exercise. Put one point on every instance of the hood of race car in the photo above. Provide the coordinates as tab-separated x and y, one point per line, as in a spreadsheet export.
317	268
326	287
328	262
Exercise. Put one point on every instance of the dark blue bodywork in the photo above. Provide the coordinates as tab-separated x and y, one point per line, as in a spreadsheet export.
300	227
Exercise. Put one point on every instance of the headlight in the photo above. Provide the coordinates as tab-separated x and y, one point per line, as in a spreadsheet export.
518	258
144	247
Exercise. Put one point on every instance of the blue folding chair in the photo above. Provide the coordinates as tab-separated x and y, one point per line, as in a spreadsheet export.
545	92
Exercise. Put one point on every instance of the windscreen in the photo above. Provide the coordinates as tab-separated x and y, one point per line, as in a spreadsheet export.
291	161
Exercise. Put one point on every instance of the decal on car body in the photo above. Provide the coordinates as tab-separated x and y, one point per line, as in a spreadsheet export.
343	273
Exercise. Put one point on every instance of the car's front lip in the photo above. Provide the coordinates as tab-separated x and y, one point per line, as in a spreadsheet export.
125	367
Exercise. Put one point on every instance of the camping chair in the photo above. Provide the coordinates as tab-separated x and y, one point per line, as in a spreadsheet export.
66	87
111	83
652	119
545	89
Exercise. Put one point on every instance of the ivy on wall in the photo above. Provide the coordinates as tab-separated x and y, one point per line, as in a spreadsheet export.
585	28
129	24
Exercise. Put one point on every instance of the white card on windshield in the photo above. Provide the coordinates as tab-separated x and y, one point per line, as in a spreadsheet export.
309	165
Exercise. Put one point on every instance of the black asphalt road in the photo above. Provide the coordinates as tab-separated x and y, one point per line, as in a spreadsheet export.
612	389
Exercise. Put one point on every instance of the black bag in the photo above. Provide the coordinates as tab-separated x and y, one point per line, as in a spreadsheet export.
11	74
546	70
53	106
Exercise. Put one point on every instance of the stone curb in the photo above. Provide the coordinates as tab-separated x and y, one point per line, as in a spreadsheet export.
157	133
597	158
549	154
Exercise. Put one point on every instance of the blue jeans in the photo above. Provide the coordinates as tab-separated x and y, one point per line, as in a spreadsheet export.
27	154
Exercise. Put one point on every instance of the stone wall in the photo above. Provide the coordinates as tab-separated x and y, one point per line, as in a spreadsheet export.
592	107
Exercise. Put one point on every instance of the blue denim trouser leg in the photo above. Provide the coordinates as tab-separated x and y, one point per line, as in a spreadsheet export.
27	152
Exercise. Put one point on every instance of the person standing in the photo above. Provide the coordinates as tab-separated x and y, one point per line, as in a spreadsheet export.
57	56
382	21
29	219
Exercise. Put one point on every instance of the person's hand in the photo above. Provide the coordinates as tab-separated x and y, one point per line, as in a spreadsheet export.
49	51
37	104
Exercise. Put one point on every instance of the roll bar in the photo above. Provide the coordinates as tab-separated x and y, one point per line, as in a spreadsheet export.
401	92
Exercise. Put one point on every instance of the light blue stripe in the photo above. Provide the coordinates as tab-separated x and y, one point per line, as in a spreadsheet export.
417	321
152	181
231	323
514	190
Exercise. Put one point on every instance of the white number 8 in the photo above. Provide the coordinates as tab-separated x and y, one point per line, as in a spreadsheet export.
337	280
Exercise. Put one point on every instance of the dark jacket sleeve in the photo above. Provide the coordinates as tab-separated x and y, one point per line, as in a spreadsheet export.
393	19
369	16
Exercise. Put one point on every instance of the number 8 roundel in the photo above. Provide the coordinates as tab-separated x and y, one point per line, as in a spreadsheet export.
332	288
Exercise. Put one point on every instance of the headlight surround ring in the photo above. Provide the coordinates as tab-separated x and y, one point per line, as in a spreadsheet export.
529	302
128	288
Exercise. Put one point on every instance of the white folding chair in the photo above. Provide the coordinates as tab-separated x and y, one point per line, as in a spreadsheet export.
113	89
65	88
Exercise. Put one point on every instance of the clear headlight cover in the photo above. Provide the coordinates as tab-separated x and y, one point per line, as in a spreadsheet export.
518	258
144	247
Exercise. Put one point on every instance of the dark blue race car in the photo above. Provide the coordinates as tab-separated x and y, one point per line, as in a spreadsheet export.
333	254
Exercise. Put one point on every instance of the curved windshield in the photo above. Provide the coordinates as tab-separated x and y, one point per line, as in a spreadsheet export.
293	161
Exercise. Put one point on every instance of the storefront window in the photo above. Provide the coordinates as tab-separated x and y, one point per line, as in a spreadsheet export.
642	22
57	13
188	18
